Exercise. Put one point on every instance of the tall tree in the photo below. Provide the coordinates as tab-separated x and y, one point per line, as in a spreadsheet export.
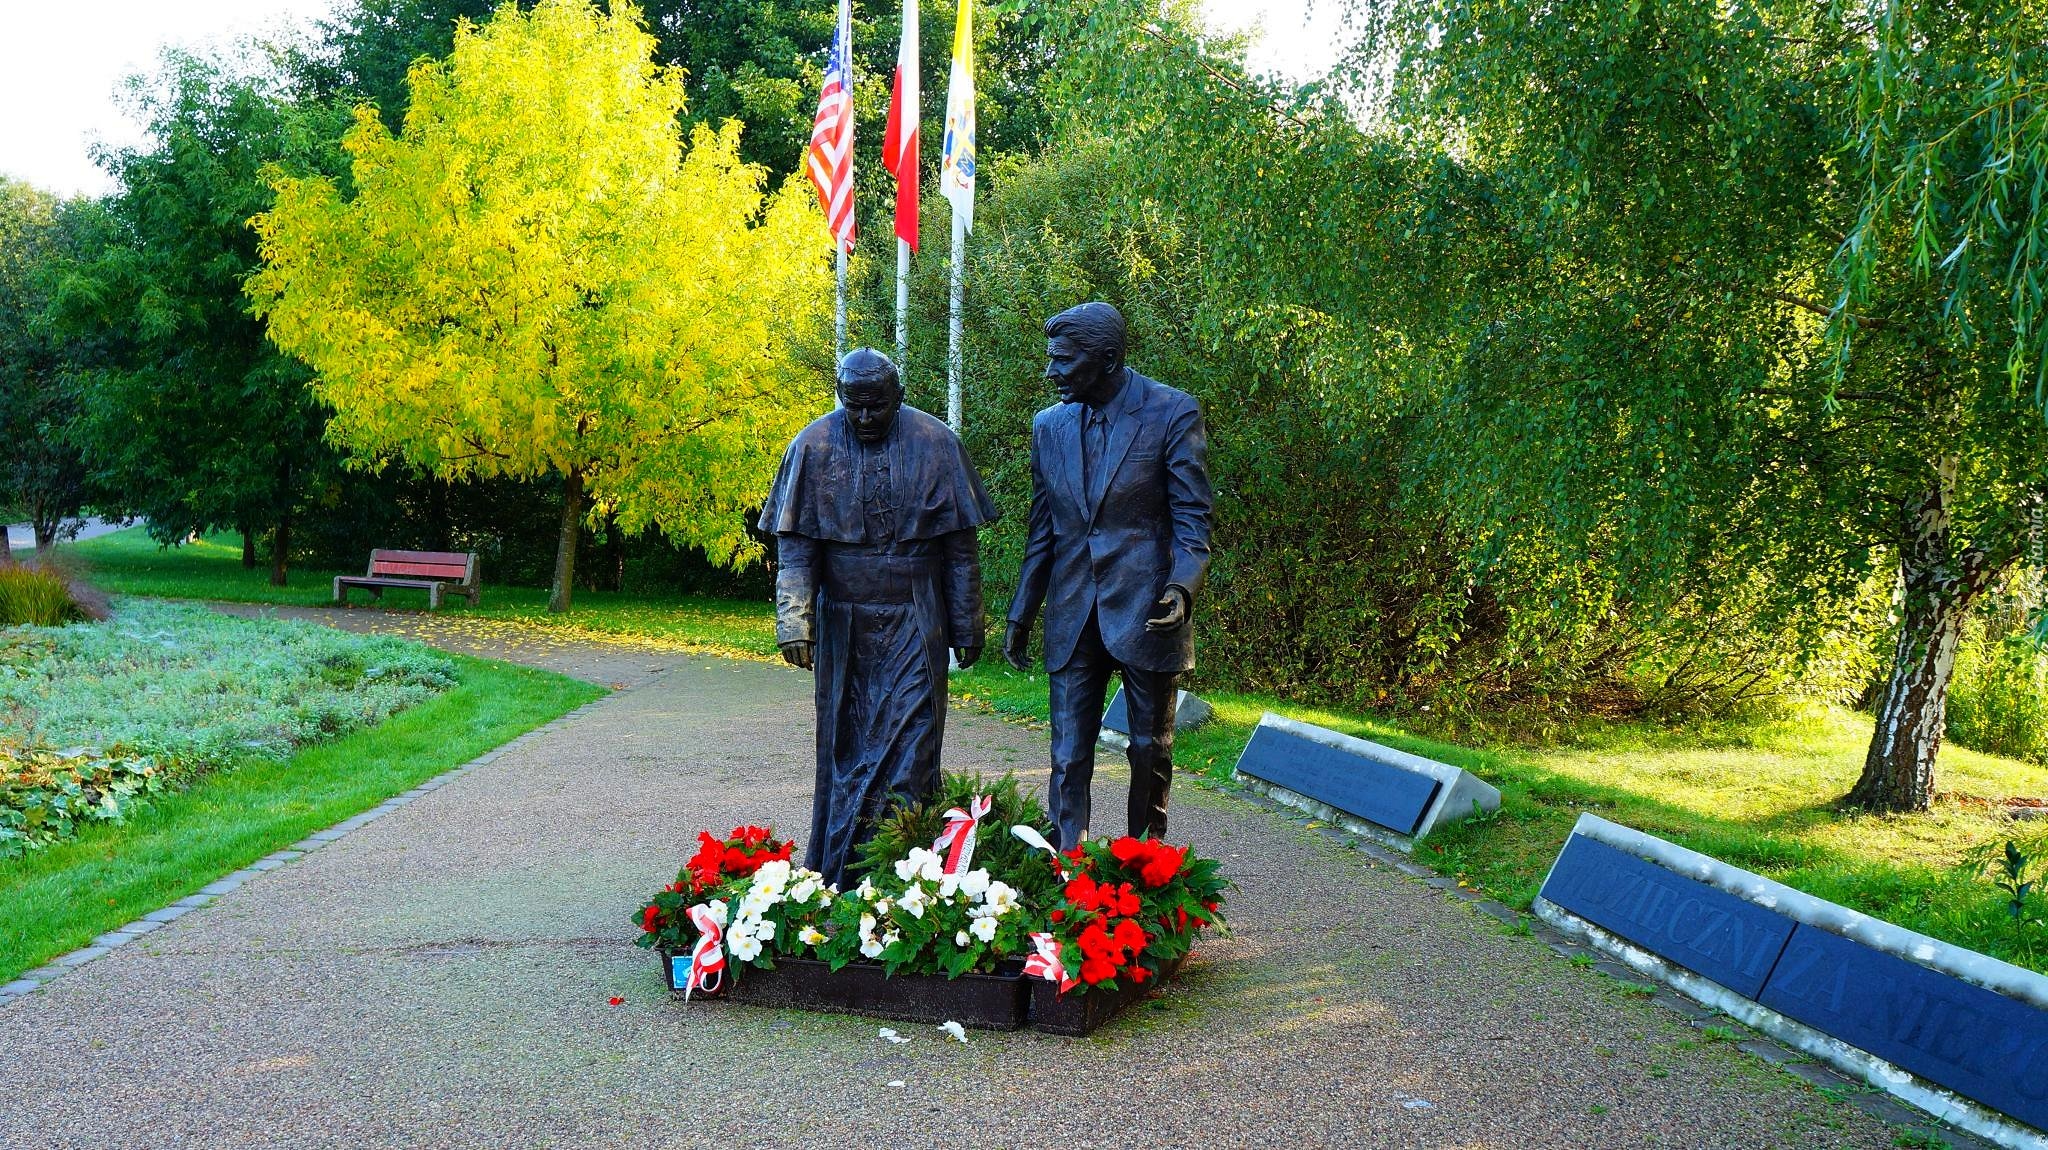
535	278
42	474
1648	381
195	422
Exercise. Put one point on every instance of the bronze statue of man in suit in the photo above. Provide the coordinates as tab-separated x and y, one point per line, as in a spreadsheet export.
1118	551
878	573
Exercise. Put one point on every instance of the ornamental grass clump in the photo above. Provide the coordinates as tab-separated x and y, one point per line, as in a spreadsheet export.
33	597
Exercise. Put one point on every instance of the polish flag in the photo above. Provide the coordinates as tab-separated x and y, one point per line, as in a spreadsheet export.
899	146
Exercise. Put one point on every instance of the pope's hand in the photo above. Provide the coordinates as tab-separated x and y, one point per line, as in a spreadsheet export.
797	653
966	656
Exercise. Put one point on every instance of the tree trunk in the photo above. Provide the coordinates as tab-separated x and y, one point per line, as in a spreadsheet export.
281	550
614	555
1939	586
6	546
442	536
46	535
248	549
565	546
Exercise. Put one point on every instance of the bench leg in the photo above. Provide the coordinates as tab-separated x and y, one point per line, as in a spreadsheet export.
340	592
434	597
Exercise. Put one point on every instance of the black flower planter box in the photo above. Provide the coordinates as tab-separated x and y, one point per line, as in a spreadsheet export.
984	1001
675	967
1081	1012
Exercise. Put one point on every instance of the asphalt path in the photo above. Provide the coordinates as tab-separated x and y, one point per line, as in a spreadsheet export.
443	977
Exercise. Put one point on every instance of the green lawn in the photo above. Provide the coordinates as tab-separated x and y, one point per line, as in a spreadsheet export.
131	563
1757	793
59	898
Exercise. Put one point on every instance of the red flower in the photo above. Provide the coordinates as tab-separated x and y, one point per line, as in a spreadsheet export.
1083	892
1128	849
1138	973
1162	864
1058	916
1095	942
1129	935
1094	970
650	918
617	1001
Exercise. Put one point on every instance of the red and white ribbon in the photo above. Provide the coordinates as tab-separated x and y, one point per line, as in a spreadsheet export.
956	842
707	958
1046	964
1030	837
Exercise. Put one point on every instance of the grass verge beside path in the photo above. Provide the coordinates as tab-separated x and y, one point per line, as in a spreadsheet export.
131	563
60	898
1758	794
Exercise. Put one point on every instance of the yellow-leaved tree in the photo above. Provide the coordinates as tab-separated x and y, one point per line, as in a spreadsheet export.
537	277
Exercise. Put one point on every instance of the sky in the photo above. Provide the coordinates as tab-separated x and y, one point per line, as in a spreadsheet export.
62	65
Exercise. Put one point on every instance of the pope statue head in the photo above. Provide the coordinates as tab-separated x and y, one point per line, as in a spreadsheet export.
871	392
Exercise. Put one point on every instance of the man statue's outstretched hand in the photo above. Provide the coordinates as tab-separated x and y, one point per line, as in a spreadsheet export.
1173	611
797	653
966	657
1017	646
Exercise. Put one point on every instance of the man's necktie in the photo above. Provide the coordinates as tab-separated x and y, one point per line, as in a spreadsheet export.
1094	444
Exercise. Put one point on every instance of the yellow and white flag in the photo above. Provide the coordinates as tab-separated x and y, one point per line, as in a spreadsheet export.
956	167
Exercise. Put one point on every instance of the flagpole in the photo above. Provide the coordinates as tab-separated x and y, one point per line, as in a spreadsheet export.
902	304
839	310
953	360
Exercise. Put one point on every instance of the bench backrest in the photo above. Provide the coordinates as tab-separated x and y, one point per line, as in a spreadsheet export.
451	566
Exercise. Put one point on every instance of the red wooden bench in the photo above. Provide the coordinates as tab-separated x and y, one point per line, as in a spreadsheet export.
430	571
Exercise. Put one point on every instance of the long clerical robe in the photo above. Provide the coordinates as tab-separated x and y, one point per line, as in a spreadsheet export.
879	567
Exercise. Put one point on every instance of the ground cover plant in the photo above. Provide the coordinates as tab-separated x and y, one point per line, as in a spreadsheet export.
59	898
94	718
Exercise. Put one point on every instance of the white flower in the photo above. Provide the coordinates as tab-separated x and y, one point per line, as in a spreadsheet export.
955	1029
1001	898
774	872
975	882
718	910
883	906
984	929
744	928
803	890
825	897
871	947
919	863
867	926
948	884
865	890
765	931
960	938
755	904
812	936
914	901
889	937
744	947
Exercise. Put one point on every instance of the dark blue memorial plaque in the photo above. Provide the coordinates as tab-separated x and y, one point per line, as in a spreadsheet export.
1701	928
1115	717
1980	1044
1374	791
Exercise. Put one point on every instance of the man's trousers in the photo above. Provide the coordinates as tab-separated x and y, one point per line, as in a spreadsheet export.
1078	692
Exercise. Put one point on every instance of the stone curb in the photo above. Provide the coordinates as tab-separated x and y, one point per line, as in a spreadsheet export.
1872	1102
34	980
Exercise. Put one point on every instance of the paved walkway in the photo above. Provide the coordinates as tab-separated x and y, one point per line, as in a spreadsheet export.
22	536
441	977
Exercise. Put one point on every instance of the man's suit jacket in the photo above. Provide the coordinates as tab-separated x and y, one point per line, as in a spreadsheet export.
1114	550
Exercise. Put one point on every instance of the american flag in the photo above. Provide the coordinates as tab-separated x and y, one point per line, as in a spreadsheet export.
830	159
